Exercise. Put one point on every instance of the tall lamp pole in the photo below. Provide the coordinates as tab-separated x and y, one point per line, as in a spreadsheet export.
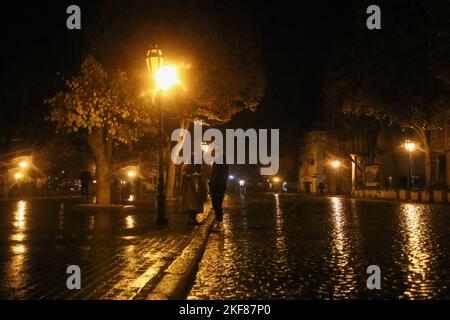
336	164
163	78
154	61
410	147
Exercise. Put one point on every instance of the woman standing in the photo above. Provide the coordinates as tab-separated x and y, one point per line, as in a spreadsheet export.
191	197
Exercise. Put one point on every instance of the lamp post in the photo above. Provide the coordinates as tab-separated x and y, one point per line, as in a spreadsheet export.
276	181
410	147
154	62
336	164
163	78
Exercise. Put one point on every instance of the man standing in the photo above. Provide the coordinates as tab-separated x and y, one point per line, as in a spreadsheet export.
86	179
217	186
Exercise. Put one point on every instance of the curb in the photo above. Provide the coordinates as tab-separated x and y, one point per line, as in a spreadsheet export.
97	207
173	284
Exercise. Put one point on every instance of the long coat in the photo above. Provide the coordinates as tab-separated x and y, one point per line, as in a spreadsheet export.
191	198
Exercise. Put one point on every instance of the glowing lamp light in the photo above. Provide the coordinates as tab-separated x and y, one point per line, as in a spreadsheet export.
410	146
166	77
205	147
276	179
336	164
131	174
131	198
23	164
154	60
231	177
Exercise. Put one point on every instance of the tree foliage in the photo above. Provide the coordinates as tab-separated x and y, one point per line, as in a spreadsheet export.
397	75
393	76
95	99
215	45
105	106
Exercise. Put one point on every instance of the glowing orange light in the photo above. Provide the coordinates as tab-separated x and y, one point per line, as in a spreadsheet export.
18	175
166	77
336	164
410	146
131	173
23	164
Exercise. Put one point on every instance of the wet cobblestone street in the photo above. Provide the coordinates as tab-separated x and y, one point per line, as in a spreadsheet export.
120	254
296	247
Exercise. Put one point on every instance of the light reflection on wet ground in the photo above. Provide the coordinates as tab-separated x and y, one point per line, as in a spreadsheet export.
294	247
118	252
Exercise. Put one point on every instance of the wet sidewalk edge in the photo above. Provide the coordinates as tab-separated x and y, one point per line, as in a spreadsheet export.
174	284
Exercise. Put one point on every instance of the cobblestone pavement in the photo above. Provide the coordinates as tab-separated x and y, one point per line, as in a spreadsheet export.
297	247
121	255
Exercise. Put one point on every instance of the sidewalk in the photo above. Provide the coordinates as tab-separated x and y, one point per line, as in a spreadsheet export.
121	255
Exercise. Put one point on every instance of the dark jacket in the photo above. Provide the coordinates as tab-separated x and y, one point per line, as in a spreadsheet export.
85	178
219	177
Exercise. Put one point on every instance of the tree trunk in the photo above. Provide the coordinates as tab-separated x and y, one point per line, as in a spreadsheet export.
427	166
171	171
170	186
425	138
101	147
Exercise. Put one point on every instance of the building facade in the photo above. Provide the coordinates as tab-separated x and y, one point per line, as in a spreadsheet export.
440	150
341	161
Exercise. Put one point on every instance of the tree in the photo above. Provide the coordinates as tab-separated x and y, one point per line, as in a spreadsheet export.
395	77
103	106
214	43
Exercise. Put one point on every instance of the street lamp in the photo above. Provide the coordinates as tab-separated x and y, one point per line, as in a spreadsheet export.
275	186
131	174
163	78
410	147
205	146
167	77
336	164
18	176
23	164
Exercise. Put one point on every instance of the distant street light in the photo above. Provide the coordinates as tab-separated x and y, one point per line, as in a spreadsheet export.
131	174
23	164
205	146
276	186
410	147
18	176
163	78
336	164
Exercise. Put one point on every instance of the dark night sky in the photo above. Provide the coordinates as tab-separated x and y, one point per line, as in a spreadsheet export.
296	44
